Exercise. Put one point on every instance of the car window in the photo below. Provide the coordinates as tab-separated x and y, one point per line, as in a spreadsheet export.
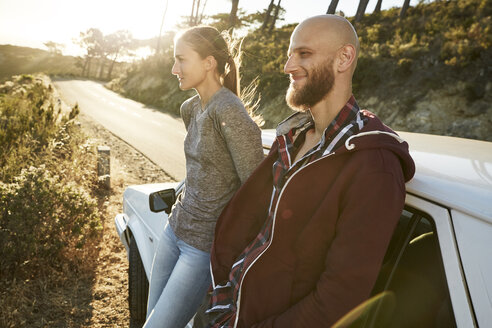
412	281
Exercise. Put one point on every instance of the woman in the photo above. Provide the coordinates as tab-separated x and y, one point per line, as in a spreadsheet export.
222	147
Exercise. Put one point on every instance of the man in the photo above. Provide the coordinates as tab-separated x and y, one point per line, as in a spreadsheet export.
302	241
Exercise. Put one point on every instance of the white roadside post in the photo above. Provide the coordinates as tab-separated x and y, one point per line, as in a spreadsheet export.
103	166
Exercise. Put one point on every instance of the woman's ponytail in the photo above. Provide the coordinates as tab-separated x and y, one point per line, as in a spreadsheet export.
231	80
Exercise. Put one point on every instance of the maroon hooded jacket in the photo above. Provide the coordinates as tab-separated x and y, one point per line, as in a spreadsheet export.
332	225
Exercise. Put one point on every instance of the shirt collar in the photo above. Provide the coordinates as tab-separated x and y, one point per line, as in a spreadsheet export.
301	121
346	115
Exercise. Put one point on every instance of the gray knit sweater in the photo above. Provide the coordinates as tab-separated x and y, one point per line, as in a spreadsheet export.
222	148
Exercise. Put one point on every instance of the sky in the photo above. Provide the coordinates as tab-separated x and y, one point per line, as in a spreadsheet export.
33	22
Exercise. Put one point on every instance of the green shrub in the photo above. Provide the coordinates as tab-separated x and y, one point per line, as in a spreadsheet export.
464	44
27	124
41	218
47	181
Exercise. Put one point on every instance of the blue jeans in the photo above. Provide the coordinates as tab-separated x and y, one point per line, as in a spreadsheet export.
179	281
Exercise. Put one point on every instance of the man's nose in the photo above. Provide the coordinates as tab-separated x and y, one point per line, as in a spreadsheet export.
290	65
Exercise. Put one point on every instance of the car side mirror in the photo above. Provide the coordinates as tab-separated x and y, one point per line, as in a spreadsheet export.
162	200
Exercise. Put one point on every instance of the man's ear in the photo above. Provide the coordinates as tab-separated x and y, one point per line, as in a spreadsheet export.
346	57
210	63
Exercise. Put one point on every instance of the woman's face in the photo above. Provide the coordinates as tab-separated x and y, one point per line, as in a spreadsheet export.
189	67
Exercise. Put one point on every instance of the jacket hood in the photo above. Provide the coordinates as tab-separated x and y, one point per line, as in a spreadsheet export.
374	134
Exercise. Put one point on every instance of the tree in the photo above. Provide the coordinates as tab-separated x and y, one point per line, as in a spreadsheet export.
92	41
54	48
192	16
201	14
158	47
233	20
378	6
275	16
197	10
117	44
196	16
269	19
268	14
361	10
254	21
102	55
403	10
333	7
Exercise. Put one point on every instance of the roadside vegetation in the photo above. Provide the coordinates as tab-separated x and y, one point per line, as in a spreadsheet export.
49	201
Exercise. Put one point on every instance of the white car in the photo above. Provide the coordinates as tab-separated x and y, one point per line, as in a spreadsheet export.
437	271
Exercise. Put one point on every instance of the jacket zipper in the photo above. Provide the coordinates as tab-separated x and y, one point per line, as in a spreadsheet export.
271	238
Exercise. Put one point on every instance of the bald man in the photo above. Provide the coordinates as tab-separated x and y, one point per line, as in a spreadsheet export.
302	241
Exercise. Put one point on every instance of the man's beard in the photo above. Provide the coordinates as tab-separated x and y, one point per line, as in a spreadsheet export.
319	83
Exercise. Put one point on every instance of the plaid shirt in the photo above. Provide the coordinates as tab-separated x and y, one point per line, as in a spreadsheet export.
348	122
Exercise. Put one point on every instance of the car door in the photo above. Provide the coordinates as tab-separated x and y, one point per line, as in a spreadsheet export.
474	240
421	282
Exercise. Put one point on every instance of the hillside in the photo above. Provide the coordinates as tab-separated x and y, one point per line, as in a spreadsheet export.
16	60
429	72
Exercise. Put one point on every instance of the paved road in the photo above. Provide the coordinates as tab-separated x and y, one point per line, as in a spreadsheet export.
157	135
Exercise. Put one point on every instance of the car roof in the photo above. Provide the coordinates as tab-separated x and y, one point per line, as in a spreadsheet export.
453	172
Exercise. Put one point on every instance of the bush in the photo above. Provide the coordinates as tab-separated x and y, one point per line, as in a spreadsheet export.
464	45
47	175
41	218
27	123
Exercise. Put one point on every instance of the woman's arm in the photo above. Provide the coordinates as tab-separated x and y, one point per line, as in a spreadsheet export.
243	138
